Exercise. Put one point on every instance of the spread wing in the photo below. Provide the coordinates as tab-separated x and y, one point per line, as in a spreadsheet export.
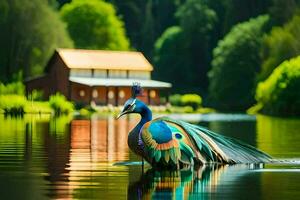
159	144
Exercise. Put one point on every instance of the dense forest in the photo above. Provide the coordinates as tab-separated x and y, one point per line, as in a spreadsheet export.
220	49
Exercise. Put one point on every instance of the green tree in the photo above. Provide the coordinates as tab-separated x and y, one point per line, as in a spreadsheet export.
282	11
198	22
172	61
146	20
30	31
279	94
281	44
236	61
93	24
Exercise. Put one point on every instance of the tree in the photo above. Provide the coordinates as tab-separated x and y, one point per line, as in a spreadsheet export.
30	31
236	61
198	22
93	24
172	61
282	11
281	44
279	94
146	20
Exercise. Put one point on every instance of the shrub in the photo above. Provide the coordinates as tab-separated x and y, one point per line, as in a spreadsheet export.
13	104
192	100
36	95
175	100
281	44
279	94
16	88
60	105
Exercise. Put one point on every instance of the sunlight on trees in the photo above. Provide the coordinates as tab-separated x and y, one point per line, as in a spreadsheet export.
235	64
93	24
279	94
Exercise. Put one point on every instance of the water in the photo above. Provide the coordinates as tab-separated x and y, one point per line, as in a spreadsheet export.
65	158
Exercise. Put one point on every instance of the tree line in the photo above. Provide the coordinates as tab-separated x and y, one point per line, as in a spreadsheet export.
220	49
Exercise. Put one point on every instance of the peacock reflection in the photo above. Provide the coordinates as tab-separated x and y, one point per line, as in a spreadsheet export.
204	183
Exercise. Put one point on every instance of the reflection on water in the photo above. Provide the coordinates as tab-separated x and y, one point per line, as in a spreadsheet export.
65	158
205	183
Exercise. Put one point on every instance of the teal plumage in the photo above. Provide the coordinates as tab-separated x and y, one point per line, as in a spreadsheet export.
169	143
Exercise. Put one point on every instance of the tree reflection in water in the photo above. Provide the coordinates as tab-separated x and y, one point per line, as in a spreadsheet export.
187	184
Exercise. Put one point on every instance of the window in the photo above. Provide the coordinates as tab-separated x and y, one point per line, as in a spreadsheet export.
95	93
82	93
111	94
139	74
81	73
121	94
152	94
100	73
117	73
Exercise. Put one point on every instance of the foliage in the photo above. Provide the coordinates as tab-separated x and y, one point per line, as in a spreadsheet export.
30	31
60	105
191	40
175	99
235	63
279	94
282	11
281	44
12	104
17	88
192	100
93	24
36	95
168	65
35	107
146	20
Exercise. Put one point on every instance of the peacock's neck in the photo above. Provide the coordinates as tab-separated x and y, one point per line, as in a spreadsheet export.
133	137
146	116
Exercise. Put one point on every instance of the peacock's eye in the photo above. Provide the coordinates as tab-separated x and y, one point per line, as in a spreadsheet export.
178	135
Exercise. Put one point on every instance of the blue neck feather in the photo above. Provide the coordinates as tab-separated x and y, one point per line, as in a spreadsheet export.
146	115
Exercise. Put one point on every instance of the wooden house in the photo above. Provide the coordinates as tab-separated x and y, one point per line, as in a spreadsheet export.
98	76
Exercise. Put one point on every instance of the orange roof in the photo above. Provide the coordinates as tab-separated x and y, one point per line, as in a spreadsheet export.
102	59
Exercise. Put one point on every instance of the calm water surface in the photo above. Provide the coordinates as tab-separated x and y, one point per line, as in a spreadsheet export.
65	158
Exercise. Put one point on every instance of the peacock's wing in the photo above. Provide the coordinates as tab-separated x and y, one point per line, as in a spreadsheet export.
208	146
166	143
159	145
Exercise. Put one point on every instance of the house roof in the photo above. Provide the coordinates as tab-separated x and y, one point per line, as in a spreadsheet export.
119	82
102	59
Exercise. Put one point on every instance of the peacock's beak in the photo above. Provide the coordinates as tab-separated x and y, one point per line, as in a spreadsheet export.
122	113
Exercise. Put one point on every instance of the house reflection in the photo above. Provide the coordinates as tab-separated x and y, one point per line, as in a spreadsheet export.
100	139
80	150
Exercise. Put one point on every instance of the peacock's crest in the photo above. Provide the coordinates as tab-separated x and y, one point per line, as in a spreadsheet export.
136	90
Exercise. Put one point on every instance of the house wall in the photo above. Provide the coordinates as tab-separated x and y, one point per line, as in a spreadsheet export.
40	84
56	79
80	93
59	77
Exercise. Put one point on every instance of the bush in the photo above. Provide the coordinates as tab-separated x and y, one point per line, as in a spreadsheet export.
60	105
36	95
192	100
236	61
175	100
279	94
281	44
16	88
13	104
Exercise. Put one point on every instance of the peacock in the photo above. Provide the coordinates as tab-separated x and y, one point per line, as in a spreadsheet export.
173	144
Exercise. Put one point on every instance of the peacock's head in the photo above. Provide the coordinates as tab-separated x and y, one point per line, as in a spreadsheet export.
133	105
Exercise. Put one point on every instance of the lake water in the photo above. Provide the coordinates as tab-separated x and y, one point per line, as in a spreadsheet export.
65	158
